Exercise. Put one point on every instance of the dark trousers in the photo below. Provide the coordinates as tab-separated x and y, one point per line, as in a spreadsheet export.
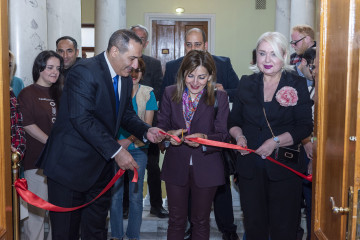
223	208
271	208
90	219
201	200
153	176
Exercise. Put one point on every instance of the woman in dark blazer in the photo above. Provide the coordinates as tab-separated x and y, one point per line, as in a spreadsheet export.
188	107
270	98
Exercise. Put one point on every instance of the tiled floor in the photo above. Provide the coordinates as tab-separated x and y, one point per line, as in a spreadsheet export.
154	228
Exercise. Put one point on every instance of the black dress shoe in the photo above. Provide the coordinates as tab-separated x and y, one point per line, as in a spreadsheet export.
125	213
159	212
230	236
188	234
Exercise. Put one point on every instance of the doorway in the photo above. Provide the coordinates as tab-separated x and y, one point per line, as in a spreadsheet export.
167	33
168	38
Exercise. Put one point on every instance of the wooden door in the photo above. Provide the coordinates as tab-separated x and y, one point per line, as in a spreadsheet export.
168	38
5	160
337	124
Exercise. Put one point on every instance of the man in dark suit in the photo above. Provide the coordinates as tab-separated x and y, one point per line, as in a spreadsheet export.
226	77
78	158
227	80
153	78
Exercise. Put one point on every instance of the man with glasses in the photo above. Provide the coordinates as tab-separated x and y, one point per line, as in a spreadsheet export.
307	69
302	38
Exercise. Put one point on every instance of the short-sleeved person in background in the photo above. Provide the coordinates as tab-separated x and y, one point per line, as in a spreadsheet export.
39	104
144	103
152	78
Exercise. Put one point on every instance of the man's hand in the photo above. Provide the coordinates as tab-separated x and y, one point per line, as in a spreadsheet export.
124	143
125	160
309	150
154	136
219	87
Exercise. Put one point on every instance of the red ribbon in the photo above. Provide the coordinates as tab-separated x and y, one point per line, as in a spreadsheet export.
31	198
233	146
176	138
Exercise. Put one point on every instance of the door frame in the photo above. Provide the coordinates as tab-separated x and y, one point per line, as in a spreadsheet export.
210	18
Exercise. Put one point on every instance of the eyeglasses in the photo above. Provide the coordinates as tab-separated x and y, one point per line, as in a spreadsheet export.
137	70
295	42
311	67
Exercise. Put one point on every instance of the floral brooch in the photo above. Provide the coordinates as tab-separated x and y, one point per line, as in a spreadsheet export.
287	96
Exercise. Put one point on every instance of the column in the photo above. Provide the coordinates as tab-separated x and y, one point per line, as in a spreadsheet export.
28	34
64	19
110	16
302	12
282	17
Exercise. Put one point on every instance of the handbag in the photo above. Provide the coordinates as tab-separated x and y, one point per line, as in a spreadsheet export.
285	154
228	155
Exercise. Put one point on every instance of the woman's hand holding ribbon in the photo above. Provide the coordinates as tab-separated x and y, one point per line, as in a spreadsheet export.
242	142
266	148
179	132
194	135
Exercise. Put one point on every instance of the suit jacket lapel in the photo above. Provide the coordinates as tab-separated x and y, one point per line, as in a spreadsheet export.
108	81
201	108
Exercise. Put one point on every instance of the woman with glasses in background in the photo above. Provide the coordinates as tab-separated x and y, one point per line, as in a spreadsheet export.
144	103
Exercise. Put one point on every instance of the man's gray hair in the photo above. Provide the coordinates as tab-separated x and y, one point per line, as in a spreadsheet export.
121	38
142	28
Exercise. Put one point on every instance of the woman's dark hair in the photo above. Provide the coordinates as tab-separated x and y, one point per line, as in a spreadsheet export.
309	55
40	65
142	67
191	61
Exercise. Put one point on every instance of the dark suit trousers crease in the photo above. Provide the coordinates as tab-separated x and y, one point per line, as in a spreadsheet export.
153	176
201	200
90	219
223	208
271	208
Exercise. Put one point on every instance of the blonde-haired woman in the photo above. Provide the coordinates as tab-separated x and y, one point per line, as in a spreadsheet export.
264	118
